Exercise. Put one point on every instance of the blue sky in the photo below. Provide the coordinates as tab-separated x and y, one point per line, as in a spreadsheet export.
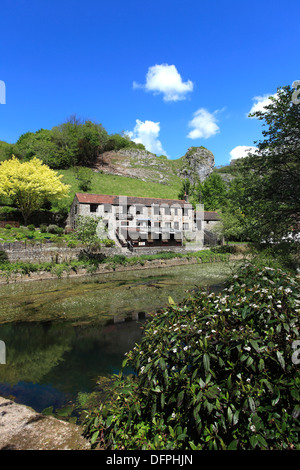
173	74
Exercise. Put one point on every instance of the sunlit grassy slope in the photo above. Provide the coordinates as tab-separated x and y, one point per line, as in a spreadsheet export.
121	185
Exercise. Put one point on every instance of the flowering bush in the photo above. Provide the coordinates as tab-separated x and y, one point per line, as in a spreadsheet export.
218	371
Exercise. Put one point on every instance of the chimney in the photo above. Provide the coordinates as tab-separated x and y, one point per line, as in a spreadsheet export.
185	197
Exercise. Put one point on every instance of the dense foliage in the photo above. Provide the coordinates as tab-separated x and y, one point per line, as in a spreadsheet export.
218	371
30	184
271	177
75	142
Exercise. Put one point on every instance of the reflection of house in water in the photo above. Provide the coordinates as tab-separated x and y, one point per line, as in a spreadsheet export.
141	221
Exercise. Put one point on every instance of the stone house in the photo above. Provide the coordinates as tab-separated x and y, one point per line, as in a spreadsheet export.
210	219
142	221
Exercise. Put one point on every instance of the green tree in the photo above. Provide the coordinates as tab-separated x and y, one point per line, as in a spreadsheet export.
5	150
84	176
120	141
91	142
271	199
30	184
86	231
211	192
186	189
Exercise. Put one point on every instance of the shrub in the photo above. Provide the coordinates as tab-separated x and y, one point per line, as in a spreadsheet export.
8	213
217	371
72	244
54	229
3	257
43	228
108	243
31	227
8	226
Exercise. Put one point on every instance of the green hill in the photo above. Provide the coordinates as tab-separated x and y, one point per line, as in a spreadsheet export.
104	183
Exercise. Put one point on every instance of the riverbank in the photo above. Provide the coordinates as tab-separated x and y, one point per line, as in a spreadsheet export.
21	428
117	263
108	295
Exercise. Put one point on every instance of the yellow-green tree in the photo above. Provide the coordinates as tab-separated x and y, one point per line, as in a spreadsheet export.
30	184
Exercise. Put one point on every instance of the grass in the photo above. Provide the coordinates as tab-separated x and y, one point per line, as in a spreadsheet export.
24	234
121	186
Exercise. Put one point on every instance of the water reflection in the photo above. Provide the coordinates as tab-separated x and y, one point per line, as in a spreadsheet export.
61	335
49	364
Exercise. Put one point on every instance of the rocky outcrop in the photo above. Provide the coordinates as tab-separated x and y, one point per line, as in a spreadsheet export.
21	428
136	164
198	164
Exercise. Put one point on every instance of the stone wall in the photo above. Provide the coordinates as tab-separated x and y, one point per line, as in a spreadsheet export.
39	253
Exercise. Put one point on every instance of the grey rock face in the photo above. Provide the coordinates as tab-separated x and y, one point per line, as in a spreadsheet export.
199	164
21	428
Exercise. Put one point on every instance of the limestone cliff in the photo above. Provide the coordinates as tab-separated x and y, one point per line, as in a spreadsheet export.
196	164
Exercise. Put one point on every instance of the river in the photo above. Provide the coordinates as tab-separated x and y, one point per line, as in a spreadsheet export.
62	335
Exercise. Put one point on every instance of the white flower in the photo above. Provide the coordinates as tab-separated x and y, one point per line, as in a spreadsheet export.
149	359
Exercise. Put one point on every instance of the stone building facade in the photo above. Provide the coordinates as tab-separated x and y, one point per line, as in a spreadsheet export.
142	221
211	218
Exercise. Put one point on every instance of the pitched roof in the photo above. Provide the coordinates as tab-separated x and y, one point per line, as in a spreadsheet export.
85	198
211	215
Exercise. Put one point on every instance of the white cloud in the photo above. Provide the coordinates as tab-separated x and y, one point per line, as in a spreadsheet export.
165	79
147	133
260	102
204	125
241	151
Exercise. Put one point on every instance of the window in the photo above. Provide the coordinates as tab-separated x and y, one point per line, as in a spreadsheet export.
155	210
107	208
176	225
139	210
93	207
